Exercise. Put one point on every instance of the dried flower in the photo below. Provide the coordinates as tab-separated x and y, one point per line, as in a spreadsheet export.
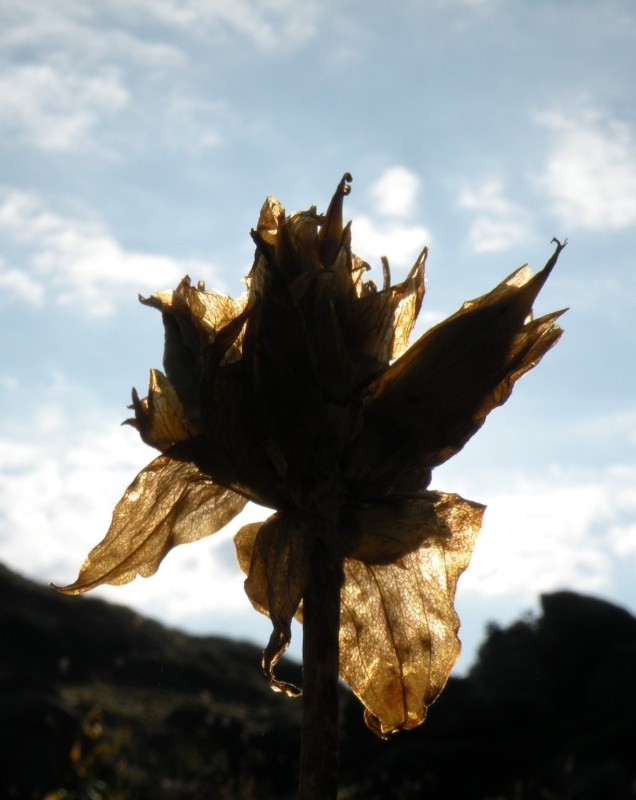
302	396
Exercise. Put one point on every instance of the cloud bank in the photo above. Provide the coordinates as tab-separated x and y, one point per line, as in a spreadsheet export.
76	262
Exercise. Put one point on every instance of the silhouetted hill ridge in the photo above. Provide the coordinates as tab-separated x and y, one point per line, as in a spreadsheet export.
98	702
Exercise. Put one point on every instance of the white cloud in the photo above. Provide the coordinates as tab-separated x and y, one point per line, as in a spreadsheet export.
19	283
395	192
73	31
77	263
55	484
56	109
623	538
590	176
570	530
387	232
499	223
97	70
400	242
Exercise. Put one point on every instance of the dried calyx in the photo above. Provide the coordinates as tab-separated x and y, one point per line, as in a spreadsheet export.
304	396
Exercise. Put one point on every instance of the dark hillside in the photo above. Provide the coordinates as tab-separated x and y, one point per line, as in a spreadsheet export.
98	703
93	693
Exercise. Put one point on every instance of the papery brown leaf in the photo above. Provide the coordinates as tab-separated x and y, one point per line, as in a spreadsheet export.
278	552
169	503
398	626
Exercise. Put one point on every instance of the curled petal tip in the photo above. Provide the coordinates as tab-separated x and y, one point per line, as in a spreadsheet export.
558	243
552	260
344	186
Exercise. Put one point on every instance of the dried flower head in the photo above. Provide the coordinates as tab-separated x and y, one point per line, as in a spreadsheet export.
304	396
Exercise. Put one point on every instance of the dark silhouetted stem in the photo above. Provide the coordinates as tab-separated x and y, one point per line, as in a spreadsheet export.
321	624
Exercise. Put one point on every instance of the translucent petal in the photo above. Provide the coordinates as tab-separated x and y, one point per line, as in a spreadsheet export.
437	395
210	311
160	418
398	626
278	573
169	503
244	540
385	531
381	322
268	220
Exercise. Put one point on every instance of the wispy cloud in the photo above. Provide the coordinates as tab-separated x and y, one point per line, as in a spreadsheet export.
57	109
590	176
77	78
76	262
499	223
268	24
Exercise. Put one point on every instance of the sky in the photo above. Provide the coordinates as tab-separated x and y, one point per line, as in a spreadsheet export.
138	141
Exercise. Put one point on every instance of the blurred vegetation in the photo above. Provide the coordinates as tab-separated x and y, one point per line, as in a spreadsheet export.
98	703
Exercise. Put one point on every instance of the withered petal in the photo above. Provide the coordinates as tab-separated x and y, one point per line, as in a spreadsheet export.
169	503
388	529
244	540
278	573
380	323
268	220
430	401
398	626
160	417
208	310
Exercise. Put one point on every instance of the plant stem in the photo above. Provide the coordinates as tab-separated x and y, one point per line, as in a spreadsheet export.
321	625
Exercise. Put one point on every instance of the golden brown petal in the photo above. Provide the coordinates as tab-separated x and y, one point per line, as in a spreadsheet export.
278	573
160	418
398	626
209	311
437	395
407	302
169	503
244	540
269	219
384	531
380	323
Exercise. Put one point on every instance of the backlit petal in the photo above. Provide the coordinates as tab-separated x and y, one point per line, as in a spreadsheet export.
281	548
169	503
398	626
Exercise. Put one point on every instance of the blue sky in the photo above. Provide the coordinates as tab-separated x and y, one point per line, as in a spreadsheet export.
138	141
